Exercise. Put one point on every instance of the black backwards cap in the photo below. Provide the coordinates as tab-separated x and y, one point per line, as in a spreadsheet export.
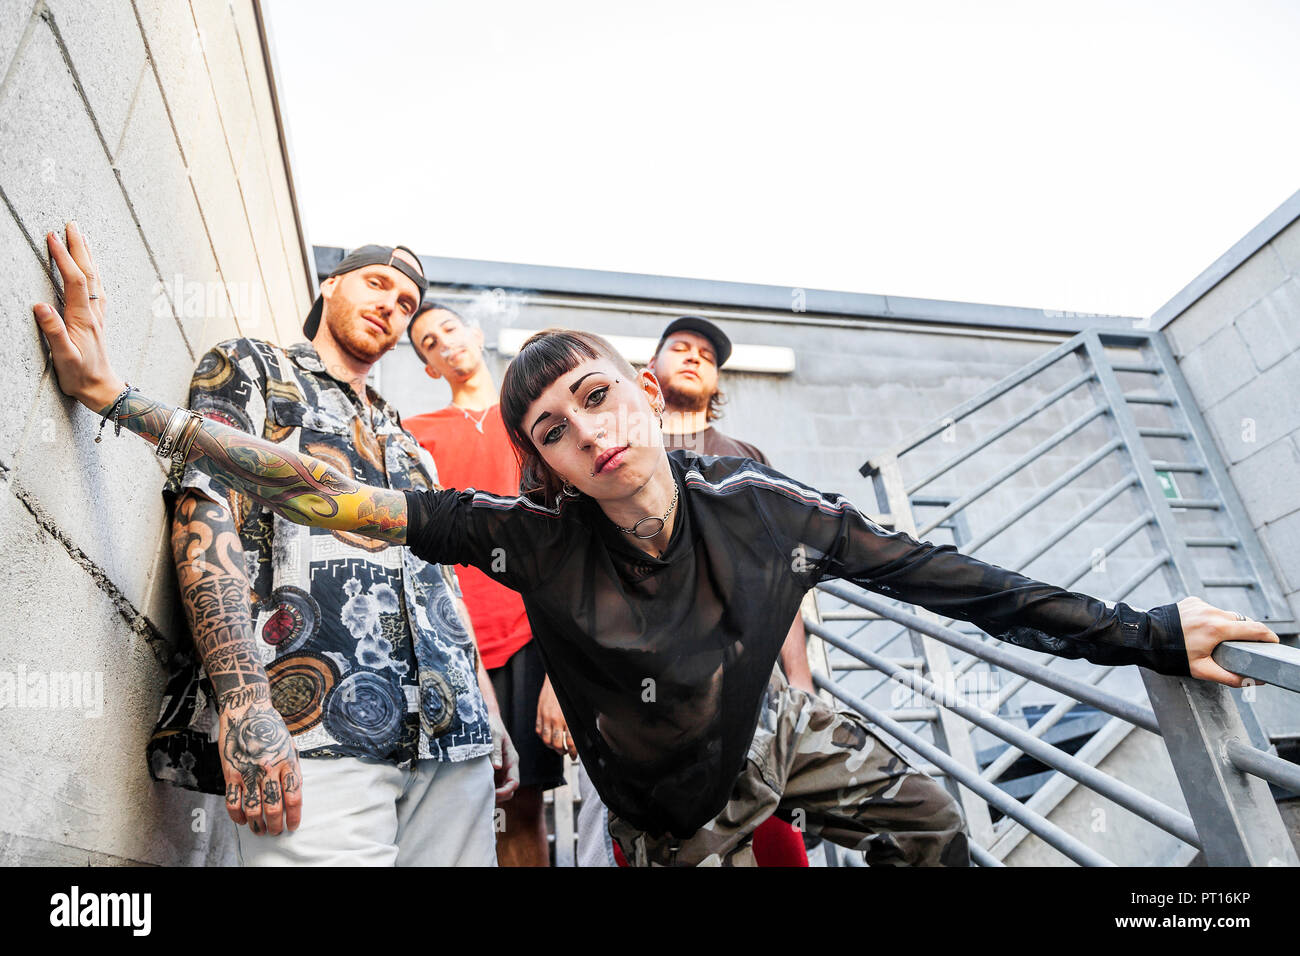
693	323
367	256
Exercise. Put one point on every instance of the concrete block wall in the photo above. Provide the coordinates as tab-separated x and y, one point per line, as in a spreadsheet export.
151	123
1238	346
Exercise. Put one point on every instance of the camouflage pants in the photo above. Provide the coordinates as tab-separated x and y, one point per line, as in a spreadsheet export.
825	772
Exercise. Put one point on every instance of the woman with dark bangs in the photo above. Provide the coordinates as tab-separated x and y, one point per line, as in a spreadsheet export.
660	588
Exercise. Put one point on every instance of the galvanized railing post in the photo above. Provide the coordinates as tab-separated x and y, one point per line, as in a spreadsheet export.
1235	815
951	732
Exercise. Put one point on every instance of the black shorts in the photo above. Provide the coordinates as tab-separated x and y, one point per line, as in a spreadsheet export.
517	684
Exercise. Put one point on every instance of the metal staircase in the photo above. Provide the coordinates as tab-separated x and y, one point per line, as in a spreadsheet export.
1090	468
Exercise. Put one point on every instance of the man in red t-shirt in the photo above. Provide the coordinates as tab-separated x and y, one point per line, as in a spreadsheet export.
468	442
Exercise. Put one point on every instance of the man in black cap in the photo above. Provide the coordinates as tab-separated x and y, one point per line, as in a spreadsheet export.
350	654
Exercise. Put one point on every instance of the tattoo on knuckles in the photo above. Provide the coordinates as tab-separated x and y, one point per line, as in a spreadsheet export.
255	742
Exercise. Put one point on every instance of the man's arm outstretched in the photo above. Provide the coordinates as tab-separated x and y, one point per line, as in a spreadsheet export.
300	488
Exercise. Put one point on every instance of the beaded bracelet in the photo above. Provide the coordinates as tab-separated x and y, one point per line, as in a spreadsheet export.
117	432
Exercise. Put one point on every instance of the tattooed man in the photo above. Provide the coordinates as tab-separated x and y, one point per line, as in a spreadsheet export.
350	653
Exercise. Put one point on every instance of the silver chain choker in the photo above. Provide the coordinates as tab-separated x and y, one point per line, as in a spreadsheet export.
662	521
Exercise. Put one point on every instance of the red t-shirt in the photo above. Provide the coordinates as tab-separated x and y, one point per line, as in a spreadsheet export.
468	458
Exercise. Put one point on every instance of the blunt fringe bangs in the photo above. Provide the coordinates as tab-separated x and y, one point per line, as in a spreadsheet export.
545	356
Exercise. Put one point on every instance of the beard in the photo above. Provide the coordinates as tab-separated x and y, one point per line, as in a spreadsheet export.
680	400
352	332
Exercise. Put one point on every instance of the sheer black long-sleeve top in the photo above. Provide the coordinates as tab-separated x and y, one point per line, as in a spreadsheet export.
660	664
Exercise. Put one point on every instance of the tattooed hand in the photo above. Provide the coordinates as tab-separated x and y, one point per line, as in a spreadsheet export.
263	778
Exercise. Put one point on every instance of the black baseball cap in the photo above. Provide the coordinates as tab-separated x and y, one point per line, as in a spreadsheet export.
693	323
371	255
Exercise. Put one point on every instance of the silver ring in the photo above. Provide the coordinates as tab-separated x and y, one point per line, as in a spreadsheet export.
1239	616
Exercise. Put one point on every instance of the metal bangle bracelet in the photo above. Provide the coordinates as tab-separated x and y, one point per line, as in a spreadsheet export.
167	440
186	441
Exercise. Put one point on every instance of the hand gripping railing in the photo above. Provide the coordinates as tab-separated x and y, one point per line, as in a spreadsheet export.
1280	662
1218	756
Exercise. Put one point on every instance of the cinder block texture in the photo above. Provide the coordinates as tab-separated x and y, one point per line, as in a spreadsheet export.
84	787
25	359
135	127
155	177
104	45
1269	482
1239	348
1243	287
15	14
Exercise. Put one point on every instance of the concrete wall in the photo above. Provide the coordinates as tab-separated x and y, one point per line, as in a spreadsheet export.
151	123
1238	345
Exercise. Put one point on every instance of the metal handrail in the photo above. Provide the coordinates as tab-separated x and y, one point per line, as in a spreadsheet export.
1278	661
1116	706
1149	809
1276	664
1005	429
1041	726
1024	461
977	542
926	432
1035	823
1252	760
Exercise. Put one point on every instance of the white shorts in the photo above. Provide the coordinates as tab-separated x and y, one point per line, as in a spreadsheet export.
361	812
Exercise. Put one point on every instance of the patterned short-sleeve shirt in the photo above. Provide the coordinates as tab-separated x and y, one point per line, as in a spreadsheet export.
365	652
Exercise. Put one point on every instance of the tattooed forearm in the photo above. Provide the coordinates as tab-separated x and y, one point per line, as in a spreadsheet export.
141	415
214	592
298	487
242	696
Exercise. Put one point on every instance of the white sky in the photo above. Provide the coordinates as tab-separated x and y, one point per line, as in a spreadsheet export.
1091	156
